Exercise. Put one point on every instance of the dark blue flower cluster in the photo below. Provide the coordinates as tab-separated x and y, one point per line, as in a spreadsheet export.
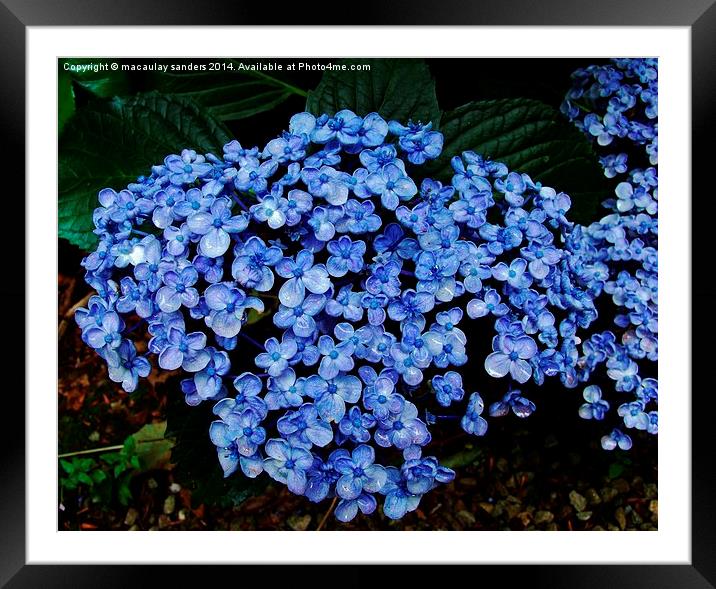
618	256
370	278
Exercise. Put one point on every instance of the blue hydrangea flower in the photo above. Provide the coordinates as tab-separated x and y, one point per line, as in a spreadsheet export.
127	366
211	269
514	274
616	439
164	213
355	425
187	167
473	422
215	226
287	464
346	255
343	126
358	218
346	304
239	429
185	350
490	303
304	428
227	305
448	388
411	306
375	306
513	400
178	290
302	275
277	355
347	509
634	415
511	356
126	206
298	203
392	185
286	148
103	333
194	201
398	500
253	176
359	473
271	210
208	382
422	147
327	183
595	407
402	430
336	358
285	390
381	400
300	319
331	395
350	305
135	297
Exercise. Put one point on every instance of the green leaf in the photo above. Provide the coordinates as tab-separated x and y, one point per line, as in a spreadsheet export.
615	470
398	89
129	446
103	83
124	493
153	448
84	478
229	95
109	144
65	99
68	483
85	464
67	466
98	476
270	307
194	456
111	458
466	457
531	137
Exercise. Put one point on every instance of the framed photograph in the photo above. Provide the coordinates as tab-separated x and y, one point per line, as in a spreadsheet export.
386	302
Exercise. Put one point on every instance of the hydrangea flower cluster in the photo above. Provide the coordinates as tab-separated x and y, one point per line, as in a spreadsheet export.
618	256
371	274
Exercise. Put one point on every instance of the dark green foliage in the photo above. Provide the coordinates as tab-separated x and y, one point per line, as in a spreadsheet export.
531	137
109	144
398	89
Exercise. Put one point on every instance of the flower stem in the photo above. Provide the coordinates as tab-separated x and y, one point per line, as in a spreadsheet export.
251	340
325	517
106	448
239	202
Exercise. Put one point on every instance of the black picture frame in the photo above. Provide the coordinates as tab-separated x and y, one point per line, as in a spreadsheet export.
16	15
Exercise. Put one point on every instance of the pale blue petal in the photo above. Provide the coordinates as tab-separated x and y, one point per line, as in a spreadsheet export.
225	324
292	292
520	370
497	364
170	358
215	243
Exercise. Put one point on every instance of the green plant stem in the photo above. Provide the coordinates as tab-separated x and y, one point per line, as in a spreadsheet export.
584	107
106	448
